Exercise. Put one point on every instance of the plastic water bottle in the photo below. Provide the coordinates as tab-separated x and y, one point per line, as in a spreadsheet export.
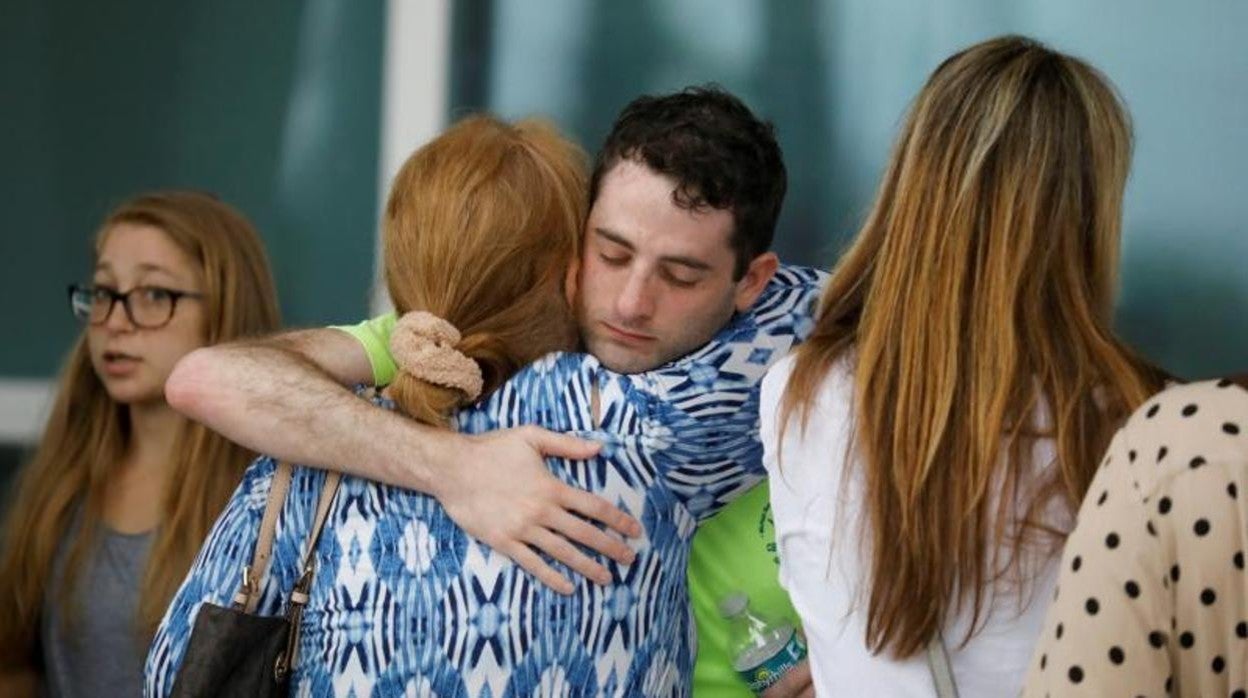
762	649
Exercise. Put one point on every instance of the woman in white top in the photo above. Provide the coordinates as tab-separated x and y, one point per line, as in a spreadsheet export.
930	441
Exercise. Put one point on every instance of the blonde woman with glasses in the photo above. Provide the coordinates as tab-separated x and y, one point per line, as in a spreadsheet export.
106	517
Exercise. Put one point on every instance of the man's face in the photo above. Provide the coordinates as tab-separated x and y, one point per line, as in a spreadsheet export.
655	280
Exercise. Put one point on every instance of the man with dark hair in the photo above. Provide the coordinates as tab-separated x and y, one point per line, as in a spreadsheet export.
685	196
718	152
698	152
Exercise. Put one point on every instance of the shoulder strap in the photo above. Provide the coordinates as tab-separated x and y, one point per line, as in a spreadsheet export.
299	596
942	672
248	595
328	490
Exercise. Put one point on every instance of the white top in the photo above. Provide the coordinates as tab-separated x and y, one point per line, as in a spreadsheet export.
824	567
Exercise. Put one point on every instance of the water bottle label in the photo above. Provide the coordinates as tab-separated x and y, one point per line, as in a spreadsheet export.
769	671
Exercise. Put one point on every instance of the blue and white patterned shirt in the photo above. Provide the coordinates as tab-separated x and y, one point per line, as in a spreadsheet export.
405	603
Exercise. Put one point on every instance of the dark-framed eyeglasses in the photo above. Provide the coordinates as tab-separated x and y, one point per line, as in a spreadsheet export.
149	307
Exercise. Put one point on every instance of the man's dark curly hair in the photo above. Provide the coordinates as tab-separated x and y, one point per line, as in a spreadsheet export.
720	154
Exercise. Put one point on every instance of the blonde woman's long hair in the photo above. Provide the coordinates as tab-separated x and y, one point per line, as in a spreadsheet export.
480	229
978	295
87	434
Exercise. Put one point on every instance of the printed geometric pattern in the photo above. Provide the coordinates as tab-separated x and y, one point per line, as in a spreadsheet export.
405	603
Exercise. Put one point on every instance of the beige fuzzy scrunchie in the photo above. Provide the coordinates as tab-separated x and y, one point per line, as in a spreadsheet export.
423	345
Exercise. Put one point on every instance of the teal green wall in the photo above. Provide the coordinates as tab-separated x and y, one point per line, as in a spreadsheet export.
273	106
836	76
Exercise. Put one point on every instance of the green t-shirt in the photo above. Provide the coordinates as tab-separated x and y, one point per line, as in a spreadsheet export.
734	551
375	334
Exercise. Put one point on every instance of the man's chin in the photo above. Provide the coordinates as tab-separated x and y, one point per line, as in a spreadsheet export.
620	359
628	365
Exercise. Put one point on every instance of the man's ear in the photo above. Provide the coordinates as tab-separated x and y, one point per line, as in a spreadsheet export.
756	278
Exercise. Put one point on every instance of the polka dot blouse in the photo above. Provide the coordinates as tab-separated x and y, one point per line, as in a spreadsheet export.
1153	598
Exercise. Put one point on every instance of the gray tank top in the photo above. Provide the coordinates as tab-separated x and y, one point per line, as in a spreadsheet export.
100	653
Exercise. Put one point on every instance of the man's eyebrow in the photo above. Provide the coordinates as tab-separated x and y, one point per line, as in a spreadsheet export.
686	262
690	262
617	239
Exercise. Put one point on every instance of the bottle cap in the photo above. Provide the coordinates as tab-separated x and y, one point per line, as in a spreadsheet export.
733	605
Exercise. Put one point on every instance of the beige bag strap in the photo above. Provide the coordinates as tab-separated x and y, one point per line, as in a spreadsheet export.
942	671
328	490
300	594
248	595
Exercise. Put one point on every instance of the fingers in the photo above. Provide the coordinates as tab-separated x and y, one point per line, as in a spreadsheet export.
532	563
795	683
561	445
592	537
560	549
591	506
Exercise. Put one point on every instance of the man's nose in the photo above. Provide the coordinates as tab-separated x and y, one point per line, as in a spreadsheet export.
637	301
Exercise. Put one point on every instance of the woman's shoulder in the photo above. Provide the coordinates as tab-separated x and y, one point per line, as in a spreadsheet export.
1175	439
1209	419
552	371
811	444
257	480
1187	400
555	363
542	392
835	388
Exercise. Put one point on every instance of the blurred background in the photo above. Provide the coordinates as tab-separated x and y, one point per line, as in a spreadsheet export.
298	113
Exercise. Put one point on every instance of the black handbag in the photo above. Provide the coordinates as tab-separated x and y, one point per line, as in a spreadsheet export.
233	651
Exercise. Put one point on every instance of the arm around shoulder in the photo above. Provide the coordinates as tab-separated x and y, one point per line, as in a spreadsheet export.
284	395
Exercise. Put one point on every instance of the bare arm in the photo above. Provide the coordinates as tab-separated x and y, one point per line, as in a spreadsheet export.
285	396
